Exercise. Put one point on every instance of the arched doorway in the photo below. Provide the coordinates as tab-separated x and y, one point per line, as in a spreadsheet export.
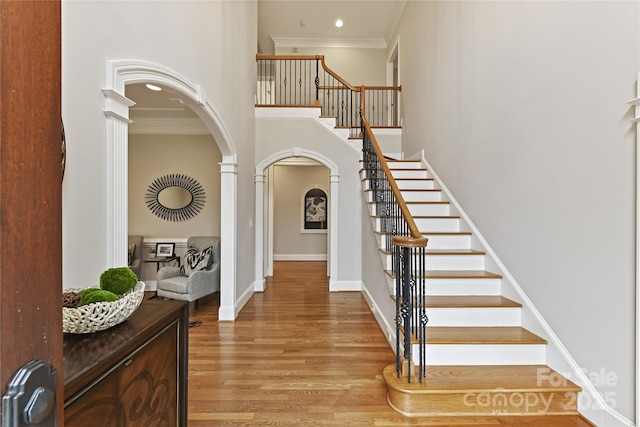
121	73
262	256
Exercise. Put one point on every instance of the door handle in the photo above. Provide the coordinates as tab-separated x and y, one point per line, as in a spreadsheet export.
31	397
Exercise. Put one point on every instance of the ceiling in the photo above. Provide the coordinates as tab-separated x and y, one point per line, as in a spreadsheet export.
300	21
294	23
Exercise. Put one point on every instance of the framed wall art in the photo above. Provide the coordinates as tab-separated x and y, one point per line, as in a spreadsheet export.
314	212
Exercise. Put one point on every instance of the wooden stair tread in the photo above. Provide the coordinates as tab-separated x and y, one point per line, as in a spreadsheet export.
454	252
436	233
481	335
446	233
420	202
421	216
413	179
481	391
456	274
449	252
480	378
470	301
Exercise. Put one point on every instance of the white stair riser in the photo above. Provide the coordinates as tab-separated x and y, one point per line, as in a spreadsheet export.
329	121
426	225
421	196
407	173
344	133
448	262
463	286
444	241
481	316
418	209
448	241
412	196
428	209
482	354
415	184
404	165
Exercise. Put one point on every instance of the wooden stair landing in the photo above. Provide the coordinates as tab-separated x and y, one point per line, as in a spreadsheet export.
449	391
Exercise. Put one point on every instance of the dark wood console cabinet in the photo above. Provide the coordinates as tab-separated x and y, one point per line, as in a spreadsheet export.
133	374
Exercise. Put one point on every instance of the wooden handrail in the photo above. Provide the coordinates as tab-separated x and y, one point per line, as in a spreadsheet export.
413	228
337	77
382	88
262	57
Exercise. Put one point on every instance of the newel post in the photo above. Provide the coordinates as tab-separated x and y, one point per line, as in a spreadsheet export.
411	317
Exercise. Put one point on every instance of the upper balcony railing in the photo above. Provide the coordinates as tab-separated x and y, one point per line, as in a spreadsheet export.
307	81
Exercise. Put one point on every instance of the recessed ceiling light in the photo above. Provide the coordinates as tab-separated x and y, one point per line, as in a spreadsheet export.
339	23
153	87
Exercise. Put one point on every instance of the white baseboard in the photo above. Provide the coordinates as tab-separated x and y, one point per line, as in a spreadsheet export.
345	286
230	313
388	329
299	257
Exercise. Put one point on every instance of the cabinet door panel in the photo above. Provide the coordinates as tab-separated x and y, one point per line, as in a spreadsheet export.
141	391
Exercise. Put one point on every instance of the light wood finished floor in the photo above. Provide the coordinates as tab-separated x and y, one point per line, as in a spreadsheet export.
301	356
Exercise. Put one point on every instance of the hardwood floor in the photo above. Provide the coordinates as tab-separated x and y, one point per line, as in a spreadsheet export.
301	356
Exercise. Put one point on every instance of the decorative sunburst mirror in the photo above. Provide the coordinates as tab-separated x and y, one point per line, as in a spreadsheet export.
175	197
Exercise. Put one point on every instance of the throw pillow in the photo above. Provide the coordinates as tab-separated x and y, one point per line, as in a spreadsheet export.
195	260
132	250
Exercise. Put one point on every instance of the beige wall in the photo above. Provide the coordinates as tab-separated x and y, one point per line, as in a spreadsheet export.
154	156
290	184
357	66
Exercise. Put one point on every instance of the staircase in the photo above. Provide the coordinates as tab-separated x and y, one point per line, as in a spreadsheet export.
480	360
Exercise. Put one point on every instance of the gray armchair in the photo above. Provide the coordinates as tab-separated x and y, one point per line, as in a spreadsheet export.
173	285
135	260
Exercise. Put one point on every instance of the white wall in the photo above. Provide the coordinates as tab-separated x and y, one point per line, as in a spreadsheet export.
212	44
290	185
154	156
521	108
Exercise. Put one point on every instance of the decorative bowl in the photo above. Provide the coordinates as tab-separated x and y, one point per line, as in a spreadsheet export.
99	316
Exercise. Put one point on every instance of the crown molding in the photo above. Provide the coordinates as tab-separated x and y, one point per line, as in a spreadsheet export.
168	126
395	19
310	42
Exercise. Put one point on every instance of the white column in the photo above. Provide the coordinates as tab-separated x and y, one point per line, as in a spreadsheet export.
333	231
228	239
117	161
259	281
269	235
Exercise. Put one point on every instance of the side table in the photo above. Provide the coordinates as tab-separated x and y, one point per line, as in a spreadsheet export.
162	259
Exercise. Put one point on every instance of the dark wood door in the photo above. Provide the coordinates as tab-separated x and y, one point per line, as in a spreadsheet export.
30	189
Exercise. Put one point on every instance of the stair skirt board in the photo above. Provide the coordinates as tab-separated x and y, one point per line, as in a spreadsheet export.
450	391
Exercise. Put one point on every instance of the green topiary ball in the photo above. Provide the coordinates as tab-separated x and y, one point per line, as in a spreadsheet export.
118	280
98	296
87	291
